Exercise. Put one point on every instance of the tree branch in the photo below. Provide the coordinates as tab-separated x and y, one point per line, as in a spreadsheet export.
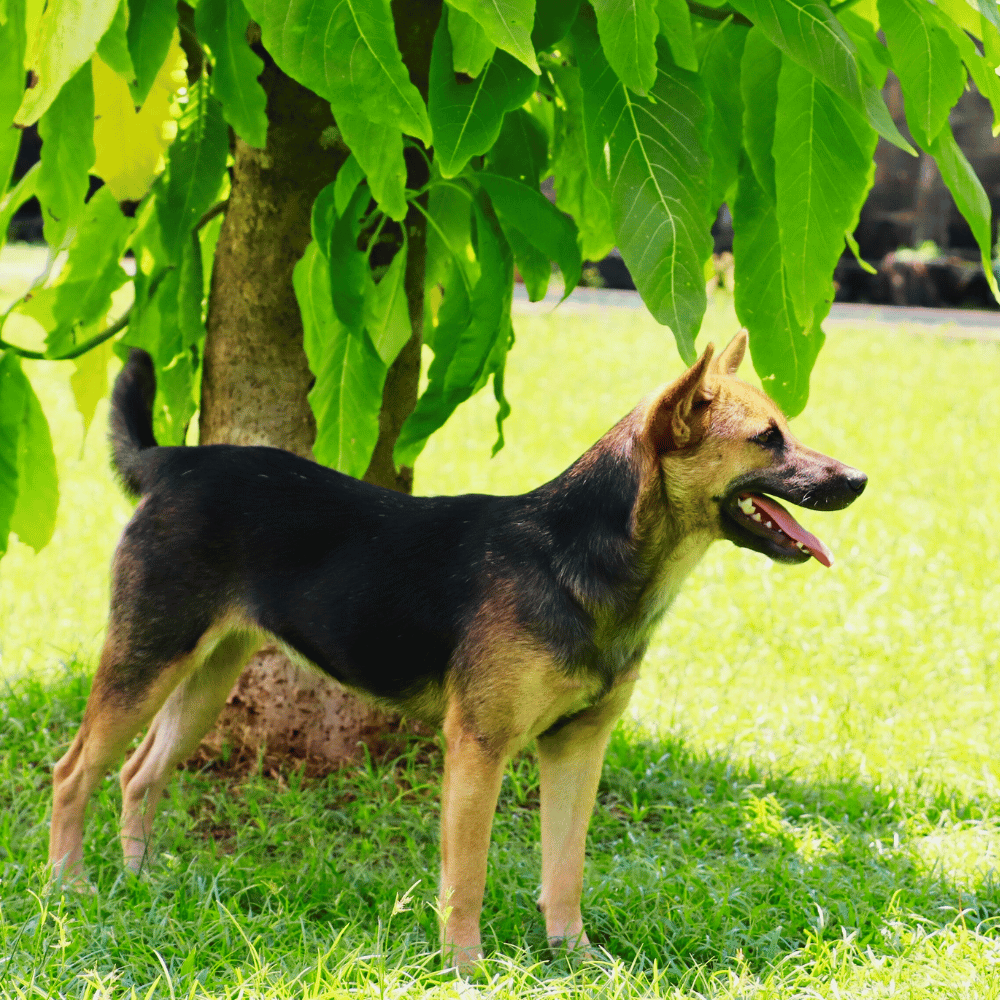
217	209
87	345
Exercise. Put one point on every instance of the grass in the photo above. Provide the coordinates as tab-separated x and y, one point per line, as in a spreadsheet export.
803	803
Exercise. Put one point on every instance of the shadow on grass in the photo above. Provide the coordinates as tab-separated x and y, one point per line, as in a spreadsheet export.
695	862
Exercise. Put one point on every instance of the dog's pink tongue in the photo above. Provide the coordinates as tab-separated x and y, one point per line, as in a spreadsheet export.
794	530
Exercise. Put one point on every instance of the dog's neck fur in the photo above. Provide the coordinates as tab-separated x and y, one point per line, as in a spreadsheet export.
626	568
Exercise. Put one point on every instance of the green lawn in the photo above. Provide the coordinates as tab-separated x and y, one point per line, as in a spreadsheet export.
804	802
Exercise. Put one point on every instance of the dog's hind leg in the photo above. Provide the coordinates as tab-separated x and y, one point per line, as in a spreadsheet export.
114	714
177	729
570	758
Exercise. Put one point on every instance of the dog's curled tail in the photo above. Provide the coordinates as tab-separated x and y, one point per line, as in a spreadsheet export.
131	418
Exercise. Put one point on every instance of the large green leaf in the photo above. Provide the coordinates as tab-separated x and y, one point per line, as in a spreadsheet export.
783	351
12	42
675	25
808	32
151	26
471	47
348	265
759	86
378	150
195	165
660	188
222	26
507	24
522	149
927	63
82	293
14	389
553	19
349	176
471	337
89	381
528	211
347	395
467	117
386	310
720	57
989	10
822	153
576	191
969	195
67	134
65	38
345	51
628	36
113	46
34	516
449	246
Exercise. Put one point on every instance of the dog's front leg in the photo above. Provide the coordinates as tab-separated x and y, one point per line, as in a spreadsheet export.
569	761
473	771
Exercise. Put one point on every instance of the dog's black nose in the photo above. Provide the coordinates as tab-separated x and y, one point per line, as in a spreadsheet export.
857	480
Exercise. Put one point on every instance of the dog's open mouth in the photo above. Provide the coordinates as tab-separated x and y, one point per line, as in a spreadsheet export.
772	530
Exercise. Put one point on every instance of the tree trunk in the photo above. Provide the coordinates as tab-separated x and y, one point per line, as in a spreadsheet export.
254	387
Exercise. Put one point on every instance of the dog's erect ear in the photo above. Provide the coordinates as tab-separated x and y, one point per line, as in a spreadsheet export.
729	361
675	419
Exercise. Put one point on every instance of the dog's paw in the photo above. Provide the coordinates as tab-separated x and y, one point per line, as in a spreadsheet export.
574	947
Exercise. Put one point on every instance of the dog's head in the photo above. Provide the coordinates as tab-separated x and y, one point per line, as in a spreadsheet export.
727	455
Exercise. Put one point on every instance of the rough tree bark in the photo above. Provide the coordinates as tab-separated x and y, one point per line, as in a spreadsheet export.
256	380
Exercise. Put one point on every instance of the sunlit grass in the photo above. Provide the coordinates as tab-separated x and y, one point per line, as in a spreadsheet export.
803	803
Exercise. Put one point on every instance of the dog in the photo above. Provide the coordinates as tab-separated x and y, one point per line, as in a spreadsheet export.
499	619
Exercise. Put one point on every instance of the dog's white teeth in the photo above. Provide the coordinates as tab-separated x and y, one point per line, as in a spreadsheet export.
746	505
755	517
801	546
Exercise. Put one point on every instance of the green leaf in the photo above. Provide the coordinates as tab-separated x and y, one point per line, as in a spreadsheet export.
553	19
10	144
783	351
660	189
113	46
89	381
467	117
507	24
222	26
195	165
65	38
628	36
151	26
822	152
12	42
969	195
67	134
34	515
521	150
378	149
675	25
350	375
449	246
348	265
24	189
927	63
82	293
386	311
720	59
345	51
14	389
809	33
534	266
759	87
349	176
471	46
576	190
539	222
988	8
982	68
471	334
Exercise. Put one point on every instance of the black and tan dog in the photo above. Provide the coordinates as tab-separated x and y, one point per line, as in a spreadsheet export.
501	619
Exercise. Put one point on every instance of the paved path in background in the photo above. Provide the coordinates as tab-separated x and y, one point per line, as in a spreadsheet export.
963	324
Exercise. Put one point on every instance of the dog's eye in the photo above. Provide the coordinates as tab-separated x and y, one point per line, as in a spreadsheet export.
772	438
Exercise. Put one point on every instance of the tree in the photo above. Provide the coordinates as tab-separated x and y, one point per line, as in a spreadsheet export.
312	189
